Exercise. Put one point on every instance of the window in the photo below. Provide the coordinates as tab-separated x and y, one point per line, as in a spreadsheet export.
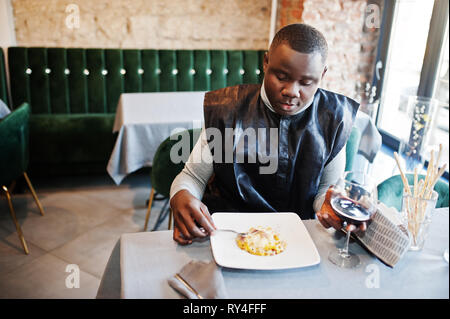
413	49
404	63
440	131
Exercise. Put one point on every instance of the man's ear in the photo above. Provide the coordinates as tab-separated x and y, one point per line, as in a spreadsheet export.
265	61
325	69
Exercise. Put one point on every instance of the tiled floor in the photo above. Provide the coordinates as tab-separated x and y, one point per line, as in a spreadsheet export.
84	217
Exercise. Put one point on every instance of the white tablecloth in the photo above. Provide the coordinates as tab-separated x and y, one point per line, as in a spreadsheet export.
144	120
3	109
155	257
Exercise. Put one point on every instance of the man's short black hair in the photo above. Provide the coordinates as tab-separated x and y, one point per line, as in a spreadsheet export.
302	38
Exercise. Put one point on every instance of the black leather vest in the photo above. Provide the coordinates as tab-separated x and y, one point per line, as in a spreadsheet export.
306	143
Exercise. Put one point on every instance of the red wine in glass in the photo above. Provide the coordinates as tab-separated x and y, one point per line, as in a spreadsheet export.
352	200
350	211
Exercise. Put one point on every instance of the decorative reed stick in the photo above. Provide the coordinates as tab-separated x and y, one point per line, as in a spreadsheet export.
416	208
404	179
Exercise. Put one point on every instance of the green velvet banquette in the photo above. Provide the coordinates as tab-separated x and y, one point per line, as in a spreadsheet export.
73	94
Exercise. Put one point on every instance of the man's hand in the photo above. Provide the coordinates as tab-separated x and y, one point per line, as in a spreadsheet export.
189	214
328	218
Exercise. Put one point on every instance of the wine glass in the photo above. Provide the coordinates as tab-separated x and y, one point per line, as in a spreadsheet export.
353	199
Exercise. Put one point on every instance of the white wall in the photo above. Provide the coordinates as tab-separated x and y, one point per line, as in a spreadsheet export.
7	33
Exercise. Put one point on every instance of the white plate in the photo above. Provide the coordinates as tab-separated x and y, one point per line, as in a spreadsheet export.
300	250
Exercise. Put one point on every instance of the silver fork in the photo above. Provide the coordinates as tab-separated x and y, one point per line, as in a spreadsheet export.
232	231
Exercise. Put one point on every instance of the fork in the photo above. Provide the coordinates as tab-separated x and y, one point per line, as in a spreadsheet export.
233	231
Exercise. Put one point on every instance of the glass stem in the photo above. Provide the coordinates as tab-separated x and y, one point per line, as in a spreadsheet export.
347	240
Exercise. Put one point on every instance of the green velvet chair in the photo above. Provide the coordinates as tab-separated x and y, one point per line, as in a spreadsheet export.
390	191
164	170
351	148
14	158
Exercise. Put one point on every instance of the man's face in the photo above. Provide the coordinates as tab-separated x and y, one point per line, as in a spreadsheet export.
291	78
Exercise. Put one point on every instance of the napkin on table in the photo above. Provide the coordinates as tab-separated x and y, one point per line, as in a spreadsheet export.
205	278
385	236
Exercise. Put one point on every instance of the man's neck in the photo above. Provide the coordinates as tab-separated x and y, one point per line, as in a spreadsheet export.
269	106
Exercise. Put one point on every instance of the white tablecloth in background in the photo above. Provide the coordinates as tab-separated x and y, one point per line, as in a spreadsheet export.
153	257
144	120
3	109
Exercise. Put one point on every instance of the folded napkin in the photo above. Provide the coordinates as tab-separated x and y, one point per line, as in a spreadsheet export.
199	280
385	236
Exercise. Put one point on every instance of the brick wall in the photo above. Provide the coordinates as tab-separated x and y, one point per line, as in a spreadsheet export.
352	45
157	24
203	24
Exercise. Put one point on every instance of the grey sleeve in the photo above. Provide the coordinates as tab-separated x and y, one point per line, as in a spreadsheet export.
197	170
331	174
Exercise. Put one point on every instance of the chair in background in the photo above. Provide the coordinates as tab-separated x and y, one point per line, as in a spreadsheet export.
390	191
368	143
164	171
351	148
14	158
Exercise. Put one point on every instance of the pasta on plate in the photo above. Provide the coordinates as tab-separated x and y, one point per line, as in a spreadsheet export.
261	241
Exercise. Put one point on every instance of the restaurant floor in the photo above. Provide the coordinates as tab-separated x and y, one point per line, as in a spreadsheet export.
84	217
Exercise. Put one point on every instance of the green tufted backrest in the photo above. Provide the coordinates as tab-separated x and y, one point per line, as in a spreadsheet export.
164	170
3	88
72	80
390	191
14	132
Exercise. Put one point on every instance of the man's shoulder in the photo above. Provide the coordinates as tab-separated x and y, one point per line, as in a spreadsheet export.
333	108
235	92
336	105
331	96
224	104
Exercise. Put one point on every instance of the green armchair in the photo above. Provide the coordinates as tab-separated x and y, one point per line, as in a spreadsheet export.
390	191
14	158
164	170
351	148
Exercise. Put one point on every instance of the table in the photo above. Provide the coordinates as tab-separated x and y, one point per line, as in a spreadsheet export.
144	120
3	109
422	274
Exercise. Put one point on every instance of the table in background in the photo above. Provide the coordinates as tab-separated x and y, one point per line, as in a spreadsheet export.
3	109
144	120
423	274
